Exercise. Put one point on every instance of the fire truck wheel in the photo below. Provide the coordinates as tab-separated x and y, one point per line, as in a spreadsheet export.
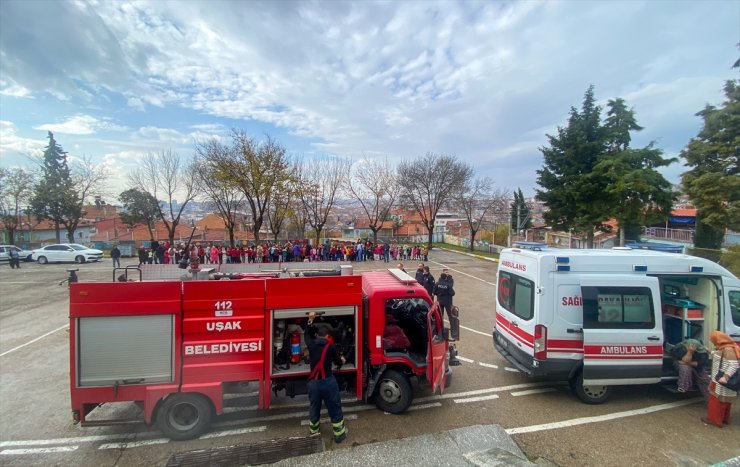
394	392
590	394
184	416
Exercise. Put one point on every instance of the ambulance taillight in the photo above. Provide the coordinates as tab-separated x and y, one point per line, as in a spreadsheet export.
540	342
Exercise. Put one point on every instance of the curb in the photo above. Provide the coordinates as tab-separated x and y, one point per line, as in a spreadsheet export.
473	255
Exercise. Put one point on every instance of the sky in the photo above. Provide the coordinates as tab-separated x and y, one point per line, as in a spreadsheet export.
483	81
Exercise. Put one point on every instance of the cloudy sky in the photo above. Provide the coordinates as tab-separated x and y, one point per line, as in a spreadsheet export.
485	81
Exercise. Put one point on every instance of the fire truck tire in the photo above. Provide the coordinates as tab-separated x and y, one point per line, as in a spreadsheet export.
184	416
394	392
589	394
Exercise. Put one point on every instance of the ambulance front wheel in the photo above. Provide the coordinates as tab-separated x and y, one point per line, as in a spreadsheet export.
589	394
184	416
394	392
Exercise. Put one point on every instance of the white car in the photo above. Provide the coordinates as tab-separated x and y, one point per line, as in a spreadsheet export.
24	255
66	252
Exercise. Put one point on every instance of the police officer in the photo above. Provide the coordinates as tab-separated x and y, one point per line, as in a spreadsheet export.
444	291
322	386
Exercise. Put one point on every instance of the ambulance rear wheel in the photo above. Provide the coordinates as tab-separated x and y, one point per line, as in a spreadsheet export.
184	416
394	392
590	394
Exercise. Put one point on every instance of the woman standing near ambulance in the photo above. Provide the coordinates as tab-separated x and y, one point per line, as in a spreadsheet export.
725	357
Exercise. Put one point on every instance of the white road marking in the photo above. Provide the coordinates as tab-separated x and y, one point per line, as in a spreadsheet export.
134	444
476	399
488	365
79	439
20	452
463	273
246	408
476	392
34	340
352	416
235	395
424	406
238	431
513	370
600	418
466	360
471	329
532	391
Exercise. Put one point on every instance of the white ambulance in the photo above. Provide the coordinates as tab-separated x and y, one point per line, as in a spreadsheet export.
599	318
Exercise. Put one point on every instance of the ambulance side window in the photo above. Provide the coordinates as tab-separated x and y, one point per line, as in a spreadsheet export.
735	307
618	308
516	294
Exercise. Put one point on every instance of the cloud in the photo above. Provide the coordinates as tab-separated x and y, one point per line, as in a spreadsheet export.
14	90
12	146
81	125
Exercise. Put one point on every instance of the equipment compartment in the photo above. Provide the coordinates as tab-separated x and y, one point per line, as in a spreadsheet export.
289	354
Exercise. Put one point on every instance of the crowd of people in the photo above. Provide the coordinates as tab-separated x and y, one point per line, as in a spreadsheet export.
268	252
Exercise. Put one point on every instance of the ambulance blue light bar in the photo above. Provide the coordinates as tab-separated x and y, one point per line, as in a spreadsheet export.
697	269
562	260
639	268
563	268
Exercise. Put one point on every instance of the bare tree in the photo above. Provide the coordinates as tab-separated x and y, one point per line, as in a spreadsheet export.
320	184
216	185
476	200
166	176
87	181
298	217
429	182
256	169
16	189
283	201
374	184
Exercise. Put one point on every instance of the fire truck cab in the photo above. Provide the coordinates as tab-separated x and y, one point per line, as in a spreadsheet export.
177	348
599	318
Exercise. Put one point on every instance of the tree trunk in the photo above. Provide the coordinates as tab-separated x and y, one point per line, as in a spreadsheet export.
231	235
430	229
57	232
473	233
375	235
590	239
71	234
621	235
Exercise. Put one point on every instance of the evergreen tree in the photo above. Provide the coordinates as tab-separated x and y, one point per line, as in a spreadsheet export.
139	208
713	182
54	197
572	191
639	193
520	215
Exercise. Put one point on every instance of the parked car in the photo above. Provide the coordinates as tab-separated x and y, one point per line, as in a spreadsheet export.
24	255
66	252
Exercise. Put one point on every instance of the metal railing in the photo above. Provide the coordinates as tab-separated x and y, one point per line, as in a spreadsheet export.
675	235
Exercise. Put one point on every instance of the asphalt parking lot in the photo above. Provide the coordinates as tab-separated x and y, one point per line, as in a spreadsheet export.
641	425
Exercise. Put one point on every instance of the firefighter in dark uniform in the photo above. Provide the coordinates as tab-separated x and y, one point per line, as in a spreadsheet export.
322	386
444	292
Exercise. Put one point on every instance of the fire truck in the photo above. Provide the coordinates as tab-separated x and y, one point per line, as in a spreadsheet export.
177	348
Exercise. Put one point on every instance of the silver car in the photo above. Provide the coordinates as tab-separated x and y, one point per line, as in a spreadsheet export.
24	255
67	253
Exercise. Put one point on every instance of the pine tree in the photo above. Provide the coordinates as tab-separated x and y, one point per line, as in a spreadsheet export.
571	190
520	215
713	182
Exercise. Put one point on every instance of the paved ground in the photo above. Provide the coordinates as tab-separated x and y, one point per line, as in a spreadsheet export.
639	426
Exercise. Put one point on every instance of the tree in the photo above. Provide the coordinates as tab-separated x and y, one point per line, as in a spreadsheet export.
521	218
280	209
321	180
218	185
165	176
256	169
571	190
374	185
712	183
62	191
476	200
431	181
639	194
139	208
16	188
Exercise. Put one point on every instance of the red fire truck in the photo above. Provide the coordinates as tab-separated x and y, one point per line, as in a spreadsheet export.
176	348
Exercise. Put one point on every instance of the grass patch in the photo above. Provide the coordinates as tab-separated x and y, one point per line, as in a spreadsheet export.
463	249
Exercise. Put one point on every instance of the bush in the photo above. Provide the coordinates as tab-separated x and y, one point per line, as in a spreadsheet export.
707	253
731	259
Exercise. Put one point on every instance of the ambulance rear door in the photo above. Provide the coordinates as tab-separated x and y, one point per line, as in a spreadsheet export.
622	330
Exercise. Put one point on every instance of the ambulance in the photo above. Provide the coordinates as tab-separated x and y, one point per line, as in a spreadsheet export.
601	318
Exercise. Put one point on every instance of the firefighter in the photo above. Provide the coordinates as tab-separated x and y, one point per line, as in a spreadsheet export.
444	292
322	386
